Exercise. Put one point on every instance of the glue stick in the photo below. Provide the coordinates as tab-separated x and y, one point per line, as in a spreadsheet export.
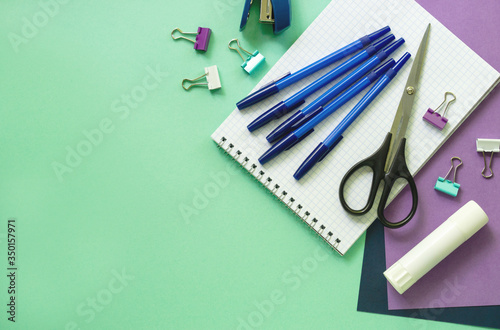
436	246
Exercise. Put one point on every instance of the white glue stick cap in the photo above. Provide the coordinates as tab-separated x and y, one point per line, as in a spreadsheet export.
436	246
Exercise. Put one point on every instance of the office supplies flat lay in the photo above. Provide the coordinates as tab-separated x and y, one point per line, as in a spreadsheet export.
202	37
373	289
436	246
335	136
276	12
379	55
315	198
434	118
388	163
488	146
274	86
252	62
306	126
212	77
447	186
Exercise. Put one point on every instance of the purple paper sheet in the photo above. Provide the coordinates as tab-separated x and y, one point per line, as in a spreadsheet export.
470	275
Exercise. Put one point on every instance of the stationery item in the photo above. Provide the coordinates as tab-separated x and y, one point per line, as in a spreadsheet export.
314	199
436	246
303	128
274	86
388	163
447	186
434	118
212	77
284	107
202	37
485	146
305	114
312	108
336	135
373	287
276	12
252	62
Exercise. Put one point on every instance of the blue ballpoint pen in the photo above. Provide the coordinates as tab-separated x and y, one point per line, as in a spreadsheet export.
336	135
305	127
275	86
286	127
298	98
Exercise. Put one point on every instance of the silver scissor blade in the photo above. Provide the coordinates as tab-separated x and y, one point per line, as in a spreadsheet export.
416	69
402	117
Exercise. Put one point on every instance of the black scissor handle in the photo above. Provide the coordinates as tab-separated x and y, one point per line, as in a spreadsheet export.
377	163
398	170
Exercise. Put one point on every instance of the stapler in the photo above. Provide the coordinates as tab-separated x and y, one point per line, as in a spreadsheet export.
276	12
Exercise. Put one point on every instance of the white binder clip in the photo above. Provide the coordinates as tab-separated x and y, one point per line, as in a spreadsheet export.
252	62
484	146
212	76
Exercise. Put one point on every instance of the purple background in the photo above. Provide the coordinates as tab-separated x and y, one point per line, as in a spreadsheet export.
474	268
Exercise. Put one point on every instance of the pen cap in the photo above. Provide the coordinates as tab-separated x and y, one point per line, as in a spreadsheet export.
377	46
436	246
374	36
380	70
391	73
384	53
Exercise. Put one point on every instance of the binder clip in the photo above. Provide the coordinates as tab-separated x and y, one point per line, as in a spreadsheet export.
276	12
202	38
447	186
253	61
433	116
484	146
212	76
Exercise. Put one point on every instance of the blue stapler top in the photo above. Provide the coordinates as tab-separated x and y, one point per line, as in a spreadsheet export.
276	12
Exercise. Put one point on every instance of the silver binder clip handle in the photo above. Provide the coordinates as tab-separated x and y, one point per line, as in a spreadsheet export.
212	77
440	107
454	167
491	146
182	37
487	167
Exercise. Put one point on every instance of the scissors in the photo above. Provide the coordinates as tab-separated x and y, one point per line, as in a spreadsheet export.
388	163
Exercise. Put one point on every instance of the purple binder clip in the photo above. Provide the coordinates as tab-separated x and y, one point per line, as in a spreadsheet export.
433	117
202	37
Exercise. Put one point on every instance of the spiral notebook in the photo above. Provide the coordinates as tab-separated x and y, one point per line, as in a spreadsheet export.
449	66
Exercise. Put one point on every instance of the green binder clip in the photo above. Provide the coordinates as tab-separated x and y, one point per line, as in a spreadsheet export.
252	62
446	186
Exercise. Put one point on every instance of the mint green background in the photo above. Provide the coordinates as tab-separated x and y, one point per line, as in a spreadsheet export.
120	208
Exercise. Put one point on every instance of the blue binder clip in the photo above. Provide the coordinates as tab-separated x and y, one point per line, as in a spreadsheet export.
252	62
447	186
276	12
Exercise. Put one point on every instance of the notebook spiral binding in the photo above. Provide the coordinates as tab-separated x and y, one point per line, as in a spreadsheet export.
281	194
